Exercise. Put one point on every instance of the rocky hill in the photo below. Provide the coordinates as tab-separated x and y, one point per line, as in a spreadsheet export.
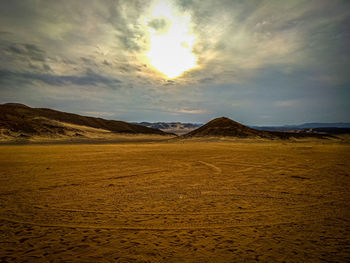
23	121
225	127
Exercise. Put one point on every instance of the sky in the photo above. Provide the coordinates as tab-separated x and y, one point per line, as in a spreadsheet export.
258	62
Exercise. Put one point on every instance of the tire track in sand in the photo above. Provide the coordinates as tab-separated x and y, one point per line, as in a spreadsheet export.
216	169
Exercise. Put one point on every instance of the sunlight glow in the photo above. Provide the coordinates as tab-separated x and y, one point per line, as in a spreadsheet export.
171	40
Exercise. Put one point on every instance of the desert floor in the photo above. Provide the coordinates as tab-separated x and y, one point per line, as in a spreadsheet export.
175	202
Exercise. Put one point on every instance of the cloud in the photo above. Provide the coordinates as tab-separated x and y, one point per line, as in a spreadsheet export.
98	113
287	103
186	111
159	24
89	78
235	39
253	56
27	50
245	37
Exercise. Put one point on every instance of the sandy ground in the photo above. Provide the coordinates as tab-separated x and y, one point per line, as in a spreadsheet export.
175	202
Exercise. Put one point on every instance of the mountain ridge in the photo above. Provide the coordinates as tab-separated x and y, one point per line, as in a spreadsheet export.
306	125
21	118
178	128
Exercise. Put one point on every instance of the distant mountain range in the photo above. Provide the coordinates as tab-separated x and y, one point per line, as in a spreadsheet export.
331	128
311	125
172	127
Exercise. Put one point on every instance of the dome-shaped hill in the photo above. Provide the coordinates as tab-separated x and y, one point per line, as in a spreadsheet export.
226	127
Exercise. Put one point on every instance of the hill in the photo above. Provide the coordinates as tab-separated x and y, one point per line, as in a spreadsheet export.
225	127
23	121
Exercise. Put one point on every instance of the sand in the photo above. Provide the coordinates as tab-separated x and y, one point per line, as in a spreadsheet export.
175	202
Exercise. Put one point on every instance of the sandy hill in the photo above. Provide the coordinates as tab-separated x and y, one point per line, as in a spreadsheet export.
25	121
225	127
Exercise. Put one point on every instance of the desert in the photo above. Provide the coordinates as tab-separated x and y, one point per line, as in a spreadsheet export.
219	200
170	131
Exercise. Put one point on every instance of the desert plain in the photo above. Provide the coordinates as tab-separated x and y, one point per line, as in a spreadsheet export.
176	201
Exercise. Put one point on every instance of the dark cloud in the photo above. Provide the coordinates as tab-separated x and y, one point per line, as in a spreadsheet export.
207	80
124	17
89	61
161	25
89	79
31	51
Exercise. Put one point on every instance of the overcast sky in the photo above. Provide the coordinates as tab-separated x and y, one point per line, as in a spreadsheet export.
257	62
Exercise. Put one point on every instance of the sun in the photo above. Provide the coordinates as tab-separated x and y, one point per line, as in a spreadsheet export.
171	40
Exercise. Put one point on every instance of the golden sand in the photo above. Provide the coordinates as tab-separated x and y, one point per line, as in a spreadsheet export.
175	202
